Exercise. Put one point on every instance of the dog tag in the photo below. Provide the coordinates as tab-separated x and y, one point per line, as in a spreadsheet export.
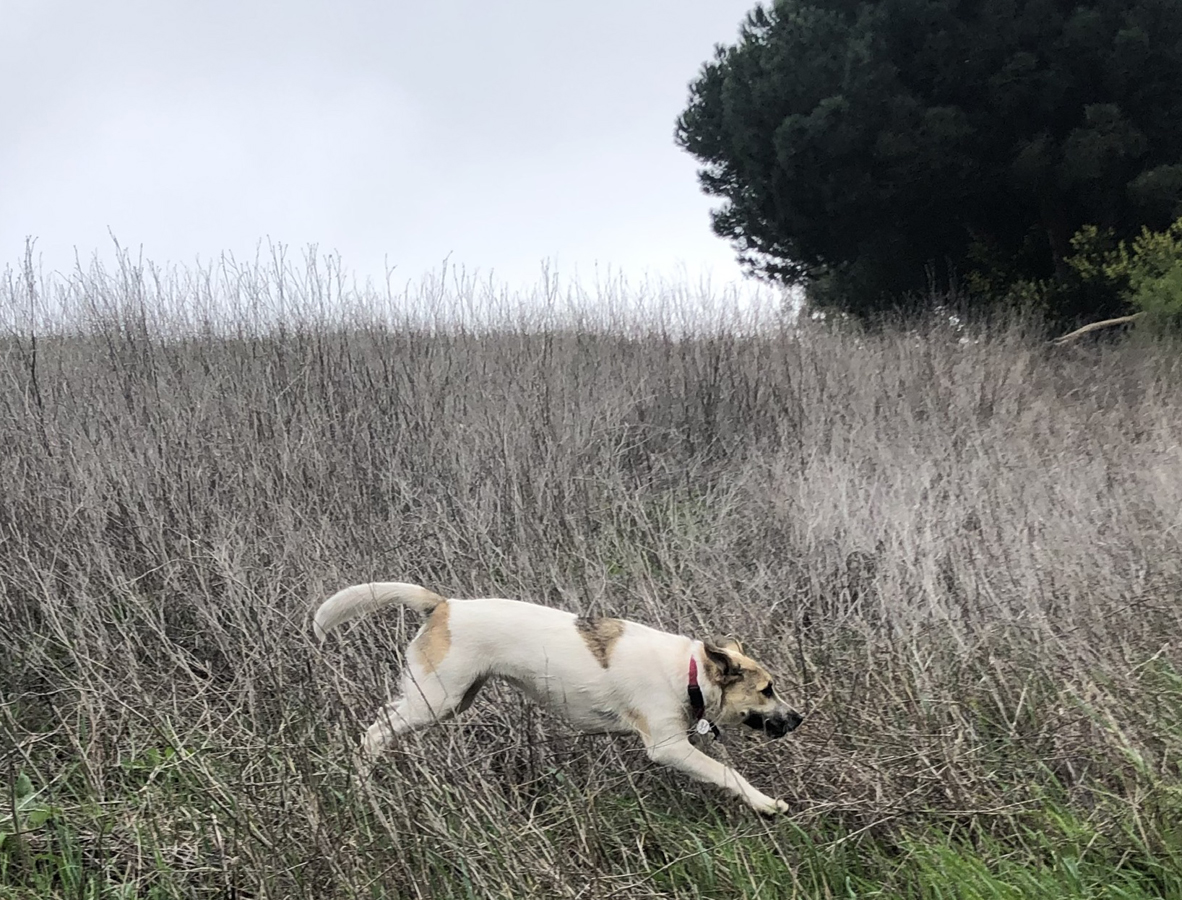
703	727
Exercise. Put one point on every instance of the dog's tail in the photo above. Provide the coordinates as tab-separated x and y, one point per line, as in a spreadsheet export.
360	599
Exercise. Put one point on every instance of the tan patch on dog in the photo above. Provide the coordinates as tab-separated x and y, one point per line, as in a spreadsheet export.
741	679
600	636
724	666
432	645
639	722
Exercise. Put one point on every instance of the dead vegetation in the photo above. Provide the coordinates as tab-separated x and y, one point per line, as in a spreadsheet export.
963	555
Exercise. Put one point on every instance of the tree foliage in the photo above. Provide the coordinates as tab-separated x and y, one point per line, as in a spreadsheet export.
857	144
1146	271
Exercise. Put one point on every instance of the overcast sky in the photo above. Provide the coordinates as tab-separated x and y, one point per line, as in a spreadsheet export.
395	133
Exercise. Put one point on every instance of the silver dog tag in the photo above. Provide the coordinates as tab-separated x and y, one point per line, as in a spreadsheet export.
703	727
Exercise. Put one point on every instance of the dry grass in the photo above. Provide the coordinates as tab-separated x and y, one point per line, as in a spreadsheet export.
964	554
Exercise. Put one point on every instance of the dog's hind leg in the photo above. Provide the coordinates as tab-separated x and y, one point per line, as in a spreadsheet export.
425	700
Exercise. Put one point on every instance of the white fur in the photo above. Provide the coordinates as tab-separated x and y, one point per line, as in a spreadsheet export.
356	601
539	650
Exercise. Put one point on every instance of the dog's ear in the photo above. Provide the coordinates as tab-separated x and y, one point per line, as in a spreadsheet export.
722	666
732	644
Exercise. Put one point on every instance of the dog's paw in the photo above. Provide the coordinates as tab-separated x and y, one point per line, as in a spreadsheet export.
374	741
769	806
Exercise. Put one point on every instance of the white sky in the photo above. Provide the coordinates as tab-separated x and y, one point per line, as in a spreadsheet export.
393	133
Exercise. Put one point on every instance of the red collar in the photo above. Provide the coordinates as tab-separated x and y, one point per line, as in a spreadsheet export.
697	703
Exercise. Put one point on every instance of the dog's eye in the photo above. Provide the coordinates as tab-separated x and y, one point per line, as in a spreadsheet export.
767	691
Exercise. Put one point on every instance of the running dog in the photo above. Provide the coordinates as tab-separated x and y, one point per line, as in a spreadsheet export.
602	674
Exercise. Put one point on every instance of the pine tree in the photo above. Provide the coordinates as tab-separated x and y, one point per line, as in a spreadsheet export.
860	146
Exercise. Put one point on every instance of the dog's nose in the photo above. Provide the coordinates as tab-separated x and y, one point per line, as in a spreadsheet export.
778	726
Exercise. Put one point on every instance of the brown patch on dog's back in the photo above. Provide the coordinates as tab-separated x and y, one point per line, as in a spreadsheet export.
432	645
600	636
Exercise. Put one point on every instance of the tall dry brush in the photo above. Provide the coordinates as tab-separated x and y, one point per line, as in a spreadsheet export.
959	547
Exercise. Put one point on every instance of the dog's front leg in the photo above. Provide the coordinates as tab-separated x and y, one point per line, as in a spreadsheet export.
675	750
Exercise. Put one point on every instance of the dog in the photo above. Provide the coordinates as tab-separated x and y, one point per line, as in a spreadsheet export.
604	675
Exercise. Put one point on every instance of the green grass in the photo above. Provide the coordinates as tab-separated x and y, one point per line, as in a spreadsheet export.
683	851
170	832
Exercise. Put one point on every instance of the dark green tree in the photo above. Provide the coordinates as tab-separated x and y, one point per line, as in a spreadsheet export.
861	146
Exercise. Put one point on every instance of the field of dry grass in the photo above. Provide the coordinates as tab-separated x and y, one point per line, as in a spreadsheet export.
959	549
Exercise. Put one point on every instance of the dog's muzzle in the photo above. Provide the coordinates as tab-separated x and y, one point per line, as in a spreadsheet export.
776	725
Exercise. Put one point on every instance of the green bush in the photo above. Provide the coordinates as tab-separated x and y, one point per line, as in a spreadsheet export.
1151	269
1139	276
1082	292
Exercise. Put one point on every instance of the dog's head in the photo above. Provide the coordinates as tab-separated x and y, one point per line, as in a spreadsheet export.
748	692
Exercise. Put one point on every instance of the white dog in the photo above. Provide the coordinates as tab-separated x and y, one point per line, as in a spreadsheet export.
602	674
